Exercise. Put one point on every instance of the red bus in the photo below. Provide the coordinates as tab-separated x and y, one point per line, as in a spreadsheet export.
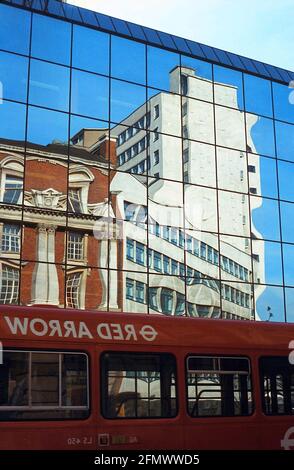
86	380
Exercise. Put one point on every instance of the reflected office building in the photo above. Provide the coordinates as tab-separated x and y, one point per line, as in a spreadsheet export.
141	172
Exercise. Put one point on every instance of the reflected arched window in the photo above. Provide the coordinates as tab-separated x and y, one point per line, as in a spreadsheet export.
79	183
9	284
11	180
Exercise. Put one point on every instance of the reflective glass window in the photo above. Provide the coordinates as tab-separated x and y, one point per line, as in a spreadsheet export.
14	29
262	176
285	140
258	95
228	87
12	121
125	99
51	39
230	130
160	68
288	261
265	218
48	127
90	95
286	178
90	50
49	85
260	135
287	221
128	60
13	76
269	257
283	102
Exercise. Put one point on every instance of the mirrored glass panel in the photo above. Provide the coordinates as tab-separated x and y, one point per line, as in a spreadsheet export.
167	294
262	176
287	218
128	291
12	121
284	109
258	95
286	175
285	140
260	135
165	156
232	170
164	112
165	202
194	79
162	66
198	121
236	259
236	301
228	87
265	218
20	39
86	288
230	128
48	129
90	95
233	214
269	303
43	237
202	256
288	262
49	85
11	236
200	208
128	101
90	50
9	281
42	284
128	60
13	76
51	39
269	256
199	163
289	295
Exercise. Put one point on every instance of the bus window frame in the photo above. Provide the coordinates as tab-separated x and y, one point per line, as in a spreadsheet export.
262	389
104	393
220	356
87	408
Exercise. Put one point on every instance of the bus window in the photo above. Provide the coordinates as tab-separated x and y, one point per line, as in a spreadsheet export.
138	385
43	385
277	385
218	386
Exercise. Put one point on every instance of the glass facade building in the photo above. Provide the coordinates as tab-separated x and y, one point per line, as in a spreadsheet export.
141	172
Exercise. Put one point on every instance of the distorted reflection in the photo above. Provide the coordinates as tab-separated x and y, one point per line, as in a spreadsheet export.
156	199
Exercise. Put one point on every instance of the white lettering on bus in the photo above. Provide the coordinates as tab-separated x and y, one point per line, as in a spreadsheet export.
70	328
36	331
22	325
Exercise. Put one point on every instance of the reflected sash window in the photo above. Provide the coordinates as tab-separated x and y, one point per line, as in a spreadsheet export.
73	290
180	307
74	200
10	238
9	285
13	189
140	292
153	298
130	289
166	301
75	247
130	249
